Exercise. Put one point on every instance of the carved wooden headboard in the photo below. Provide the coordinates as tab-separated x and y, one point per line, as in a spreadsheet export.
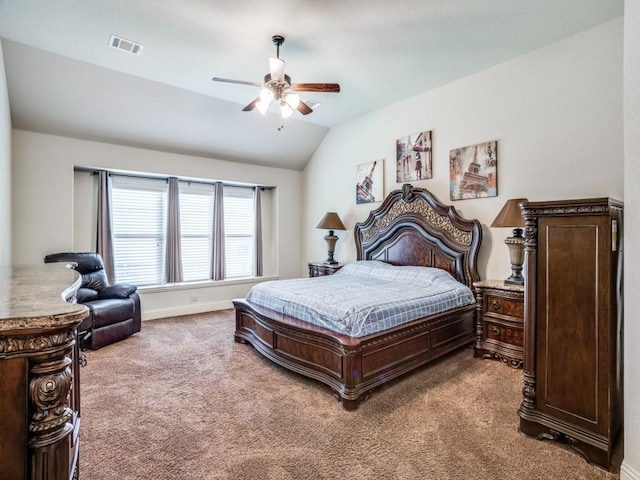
412	227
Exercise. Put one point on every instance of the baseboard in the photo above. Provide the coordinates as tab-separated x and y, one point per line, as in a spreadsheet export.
185	310
628	473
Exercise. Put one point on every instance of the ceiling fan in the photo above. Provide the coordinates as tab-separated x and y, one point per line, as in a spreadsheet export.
277	86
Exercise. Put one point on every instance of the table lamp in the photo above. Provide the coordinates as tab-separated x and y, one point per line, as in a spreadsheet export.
510	216
331	221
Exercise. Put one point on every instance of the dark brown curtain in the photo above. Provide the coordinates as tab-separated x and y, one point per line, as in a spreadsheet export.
173	249
218	254
258	231
104	233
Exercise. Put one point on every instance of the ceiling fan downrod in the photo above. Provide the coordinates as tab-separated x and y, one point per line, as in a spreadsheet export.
277	40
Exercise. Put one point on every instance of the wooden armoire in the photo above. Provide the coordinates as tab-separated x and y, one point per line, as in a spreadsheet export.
573	324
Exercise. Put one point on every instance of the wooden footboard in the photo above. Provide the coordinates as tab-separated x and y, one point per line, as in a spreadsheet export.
411	227
352	367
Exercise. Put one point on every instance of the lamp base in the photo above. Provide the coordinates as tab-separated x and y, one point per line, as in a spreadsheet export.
516	255
331	245
516	277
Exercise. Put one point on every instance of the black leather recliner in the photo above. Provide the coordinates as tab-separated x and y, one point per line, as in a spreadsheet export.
114	309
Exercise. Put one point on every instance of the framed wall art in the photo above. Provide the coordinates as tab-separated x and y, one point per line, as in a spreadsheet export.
473	171
370	182
413	157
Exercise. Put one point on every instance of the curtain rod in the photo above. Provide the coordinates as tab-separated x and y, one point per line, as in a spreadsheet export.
94	171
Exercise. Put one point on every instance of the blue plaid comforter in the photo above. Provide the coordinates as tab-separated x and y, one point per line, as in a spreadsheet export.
364	297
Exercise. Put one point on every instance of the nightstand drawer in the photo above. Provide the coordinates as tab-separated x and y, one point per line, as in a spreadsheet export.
512	336
500	322
504	306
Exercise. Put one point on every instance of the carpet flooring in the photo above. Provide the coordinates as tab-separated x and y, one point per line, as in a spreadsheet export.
182	400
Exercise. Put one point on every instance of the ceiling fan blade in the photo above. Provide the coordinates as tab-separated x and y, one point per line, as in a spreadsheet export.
239	82
276	67
303	108
252	105
317	87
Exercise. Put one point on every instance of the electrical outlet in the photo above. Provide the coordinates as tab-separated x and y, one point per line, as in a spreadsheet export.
194	298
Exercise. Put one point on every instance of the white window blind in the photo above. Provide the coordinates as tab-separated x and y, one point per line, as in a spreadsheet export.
139	223
239	220
139	229
196	230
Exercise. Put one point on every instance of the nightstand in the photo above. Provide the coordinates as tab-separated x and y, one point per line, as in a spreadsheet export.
320	269
500	322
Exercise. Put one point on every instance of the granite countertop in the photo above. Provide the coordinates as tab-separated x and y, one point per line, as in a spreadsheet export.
33	296
498	284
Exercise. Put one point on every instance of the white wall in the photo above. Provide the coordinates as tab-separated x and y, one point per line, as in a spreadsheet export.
44	216
556	114
631	464
5	168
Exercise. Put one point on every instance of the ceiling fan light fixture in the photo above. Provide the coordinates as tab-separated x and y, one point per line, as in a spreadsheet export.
262	107
293	100
276	68
285	110
266	95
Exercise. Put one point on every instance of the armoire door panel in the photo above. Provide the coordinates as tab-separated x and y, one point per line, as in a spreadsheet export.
570	320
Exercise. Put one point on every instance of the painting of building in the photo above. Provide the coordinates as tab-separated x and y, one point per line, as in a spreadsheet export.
413	157
473	171
369	182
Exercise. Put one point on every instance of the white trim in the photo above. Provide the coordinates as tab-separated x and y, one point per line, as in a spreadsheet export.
185	310
628	473
204	284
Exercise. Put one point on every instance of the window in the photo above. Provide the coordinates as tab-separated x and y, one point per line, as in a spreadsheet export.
239	221
139	224
196	230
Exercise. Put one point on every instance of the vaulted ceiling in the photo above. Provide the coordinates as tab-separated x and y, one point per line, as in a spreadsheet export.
65	79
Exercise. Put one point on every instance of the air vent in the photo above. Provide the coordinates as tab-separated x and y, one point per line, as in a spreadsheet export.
125	45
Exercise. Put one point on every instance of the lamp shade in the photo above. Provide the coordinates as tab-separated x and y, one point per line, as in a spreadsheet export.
510	215
331	221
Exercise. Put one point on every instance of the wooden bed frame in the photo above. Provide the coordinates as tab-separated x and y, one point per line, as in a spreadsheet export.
411	227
